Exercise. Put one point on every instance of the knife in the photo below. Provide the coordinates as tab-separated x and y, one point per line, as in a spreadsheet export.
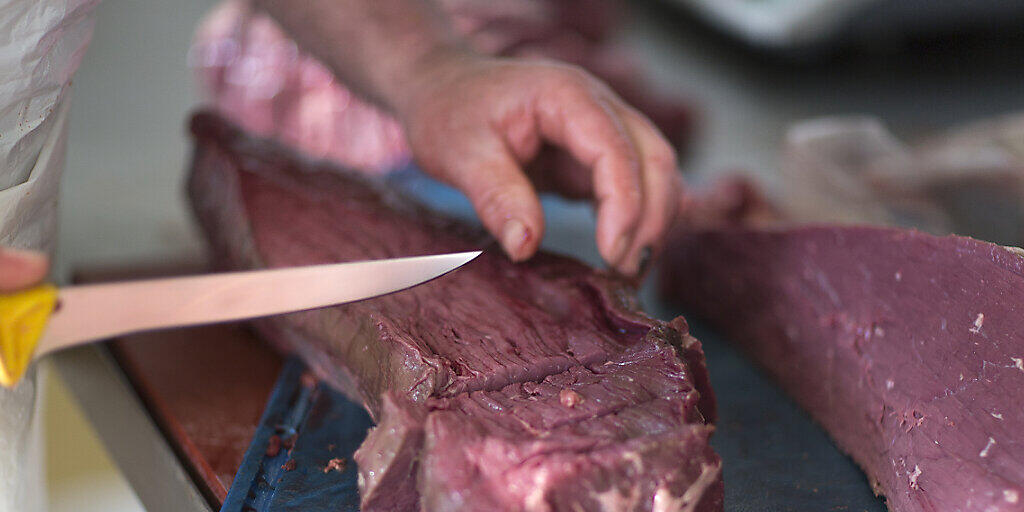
43	319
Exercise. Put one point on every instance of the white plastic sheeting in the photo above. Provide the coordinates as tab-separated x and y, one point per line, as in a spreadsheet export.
41	45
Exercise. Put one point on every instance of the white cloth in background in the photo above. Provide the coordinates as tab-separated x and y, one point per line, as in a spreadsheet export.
41	45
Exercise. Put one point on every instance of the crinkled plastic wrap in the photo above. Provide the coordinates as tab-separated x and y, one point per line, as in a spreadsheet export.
255	75
968	180
42	47
43	44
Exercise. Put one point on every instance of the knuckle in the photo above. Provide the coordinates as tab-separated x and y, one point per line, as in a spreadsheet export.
630	203
635	198
662	157
495	200
572	79
624	182
631	179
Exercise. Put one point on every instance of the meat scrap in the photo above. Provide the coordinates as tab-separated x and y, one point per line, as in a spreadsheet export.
273	446
903	345
569	398
308	380
336	464
465	375
289	442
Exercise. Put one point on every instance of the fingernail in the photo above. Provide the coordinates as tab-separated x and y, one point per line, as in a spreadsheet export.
619	249
645	260
514	236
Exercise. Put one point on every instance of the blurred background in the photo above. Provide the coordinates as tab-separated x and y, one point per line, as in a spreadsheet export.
744	71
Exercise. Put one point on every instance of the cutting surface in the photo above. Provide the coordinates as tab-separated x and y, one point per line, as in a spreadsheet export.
776	459
206	387
300	458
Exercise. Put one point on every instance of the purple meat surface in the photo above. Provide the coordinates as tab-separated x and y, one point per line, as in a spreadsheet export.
908	348
536	386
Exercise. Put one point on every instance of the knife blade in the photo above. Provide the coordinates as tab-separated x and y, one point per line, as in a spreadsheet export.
39	321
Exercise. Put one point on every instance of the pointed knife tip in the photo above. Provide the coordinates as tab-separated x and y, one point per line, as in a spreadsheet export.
468	256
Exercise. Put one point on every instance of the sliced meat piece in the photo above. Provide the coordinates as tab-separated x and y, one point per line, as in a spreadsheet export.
908	348
635	433
634	441
413	357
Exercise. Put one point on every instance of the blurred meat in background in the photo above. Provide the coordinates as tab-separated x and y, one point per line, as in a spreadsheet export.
252	73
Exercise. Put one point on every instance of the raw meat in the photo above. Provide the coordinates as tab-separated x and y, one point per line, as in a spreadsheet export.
464	374
908	348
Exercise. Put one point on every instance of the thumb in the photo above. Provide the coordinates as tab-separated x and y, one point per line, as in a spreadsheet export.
21	269
502	196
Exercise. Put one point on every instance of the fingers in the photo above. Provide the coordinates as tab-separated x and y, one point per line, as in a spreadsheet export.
504	199
662	189
474	132
21	269
573	117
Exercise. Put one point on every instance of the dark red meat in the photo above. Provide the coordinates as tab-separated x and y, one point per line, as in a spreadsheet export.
474	361
908	348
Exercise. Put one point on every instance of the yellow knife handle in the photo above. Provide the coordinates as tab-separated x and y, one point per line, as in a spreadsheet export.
23	317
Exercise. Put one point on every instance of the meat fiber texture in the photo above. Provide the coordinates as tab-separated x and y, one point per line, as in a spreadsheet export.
535	386
907	347
255	75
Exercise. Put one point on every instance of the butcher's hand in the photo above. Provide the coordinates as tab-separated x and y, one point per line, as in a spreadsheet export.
21	269
476	122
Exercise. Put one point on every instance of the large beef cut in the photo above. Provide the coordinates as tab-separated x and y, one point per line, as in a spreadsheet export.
908	348
501	386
